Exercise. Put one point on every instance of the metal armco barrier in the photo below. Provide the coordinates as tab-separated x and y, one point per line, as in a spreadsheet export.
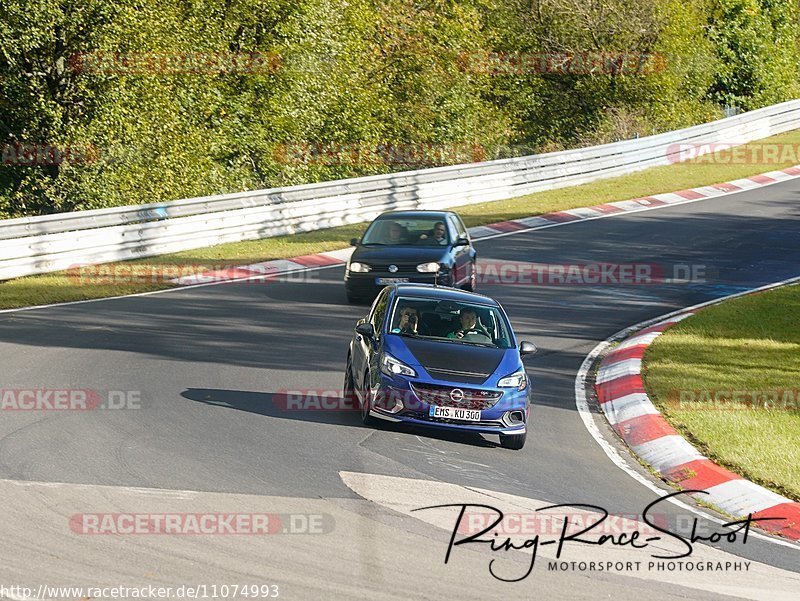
48	243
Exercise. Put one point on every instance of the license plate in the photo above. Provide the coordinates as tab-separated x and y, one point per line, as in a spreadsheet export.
385	281
467	415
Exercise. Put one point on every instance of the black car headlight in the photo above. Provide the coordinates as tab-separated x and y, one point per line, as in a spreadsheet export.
356	267
431	267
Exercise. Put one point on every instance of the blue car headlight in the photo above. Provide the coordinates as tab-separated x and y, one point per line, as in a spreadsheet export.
516	380
393	367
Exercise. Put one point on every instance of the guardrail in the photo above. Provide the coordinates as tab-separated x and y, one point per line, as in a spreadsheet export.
32	245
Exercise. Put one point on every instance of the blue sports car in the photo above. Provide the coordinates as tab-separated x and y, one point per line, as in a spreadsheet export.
441	357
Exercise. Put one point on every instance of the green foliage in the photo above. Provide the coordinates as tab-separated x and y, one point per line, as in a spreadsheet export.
354	87
757	43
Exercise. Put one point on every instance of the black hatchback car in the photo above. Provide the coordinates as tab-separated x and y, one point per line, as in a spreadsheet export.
425	247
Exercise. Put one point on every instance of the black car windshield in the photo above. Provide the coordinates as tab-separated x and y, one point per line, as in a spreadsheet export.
451	322
398	231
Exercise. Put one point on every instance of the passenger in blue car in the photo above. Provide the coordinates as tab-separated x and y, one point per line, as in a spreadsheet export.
409	321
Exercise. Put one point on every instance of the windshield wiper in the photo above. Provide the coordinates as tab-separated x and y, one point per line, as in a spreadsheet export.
457	341
441	339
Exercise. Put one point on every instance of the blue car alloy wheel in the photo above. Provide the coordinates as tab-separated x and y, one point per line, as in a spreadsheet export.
440	358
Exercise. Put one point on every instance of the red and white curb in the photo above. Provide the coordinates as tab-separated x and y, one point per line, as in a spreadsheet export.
268	269
629	411
280	267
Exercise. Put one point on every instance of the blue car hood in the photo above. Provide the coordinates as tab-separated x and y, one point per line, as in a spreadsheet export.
454	362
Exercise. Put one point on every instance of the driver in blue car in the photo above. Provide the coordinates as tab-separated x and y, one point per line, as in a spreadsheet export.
469	325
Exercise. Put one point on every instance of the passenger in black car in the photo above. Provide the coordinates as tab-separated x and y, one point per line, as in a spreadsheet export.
397	234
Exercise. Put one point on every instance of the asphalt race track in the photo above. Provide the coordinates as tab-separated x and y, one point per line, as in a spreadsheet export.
210	433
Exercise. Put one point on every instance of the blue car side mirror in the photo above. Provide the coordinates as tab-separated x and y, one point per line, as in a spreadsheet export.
366	329
527	348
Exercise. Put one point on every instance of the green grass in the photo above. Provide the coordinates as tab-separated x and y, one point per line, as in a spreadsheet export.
59	287
745	344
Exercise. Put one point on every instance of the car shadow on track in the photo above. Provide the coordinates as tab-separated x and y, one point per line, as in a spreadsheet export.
321	407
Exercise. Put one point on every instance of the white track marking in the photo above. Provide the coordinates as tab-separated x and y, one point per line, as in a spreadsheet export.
740	497
620	369
629	406
667	452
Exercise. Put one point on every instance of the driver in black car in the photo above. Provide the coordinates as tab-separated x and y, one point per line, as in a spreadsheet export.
437	235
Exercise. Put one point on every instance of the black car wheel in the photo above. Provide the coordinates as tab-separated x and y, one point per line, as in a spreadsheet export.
348	388
366	418
512	441
353	299
472	285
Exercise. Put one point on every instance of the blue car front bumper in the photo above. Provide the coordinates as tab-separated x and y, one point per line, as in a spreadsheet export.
507	414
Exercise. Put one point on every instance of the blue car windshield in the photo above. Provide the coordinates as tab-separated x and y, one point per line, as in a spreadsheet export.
450	322
406	232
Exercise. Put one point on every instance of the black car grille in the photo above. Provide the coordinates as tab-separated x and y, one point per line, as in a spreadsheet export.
440	420
474	398
402	268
